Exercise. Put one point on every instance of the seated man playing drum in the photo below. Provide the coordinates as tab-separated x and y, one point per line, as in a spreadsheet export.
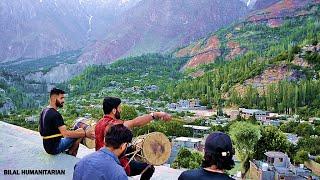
104	164
56	137
112	110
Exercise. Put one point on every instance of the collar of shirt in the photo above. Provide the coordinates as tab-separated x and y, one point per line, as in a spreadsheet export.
109	153
108	117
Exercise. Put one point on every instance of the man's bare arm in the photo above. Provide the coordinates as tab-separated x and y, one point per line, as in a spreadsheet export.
79	133
145	119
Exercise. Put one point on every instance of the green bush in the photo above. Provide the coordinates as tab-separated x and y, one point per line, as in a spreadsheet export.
187	159
301	157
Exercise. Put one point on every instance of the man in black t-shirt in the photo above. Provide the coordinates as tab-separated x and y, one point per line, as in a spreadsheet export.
218	154
56	137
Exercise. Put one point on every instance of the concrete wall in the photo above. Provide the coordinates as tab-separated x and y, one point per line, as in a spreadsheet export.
254	172
314	166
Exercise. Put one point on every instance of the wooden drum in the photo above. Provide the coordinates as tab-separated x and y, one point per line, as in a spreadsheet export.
153	148
89	125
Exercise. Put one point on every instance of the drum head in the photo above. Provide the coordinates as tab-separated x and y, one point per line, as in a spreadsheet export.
89	143
156	148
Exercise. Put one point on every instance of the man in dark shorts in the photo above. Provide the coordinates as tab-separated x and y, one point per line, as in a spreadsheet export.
218	154
56	137
112	109
105	164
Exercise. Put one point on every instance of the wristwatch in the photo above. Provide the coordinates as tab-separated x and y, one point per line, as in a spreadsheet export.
152	115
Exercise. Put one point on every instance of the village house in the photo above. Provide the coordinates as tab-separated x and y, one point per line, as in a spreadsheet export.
151	88
172	106
191	104
97	106
272	119
271	122
188	142
198	131
219	120
292	138
184	104
314	119
257	113
31	119
265	117
185	142
232	113
276	166
2	91
194	103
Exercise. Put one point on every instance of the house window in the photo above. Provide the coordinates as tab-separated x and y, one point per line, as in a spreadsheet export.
281	159
272	160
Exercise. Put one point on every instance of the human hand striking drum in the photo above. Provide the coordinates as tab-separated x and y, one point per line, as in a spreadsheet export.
90	133
88	126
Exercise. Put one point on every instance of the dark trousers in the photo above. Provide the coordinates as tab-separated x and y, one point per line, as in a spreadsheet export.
137	167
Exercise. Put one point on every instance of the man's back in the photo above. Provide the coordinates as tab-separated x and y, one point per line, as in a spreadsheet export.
202	174
49	123
102	127
101	164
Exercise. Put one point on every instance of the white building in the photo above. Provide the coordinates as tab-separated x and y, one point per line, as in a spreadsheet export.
185	142
191	104
151	88
32	119
292	138
198	130
259	114
184	104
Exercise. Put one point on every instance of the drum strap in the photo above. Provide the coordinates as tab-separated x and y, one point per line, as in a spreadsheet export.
51	136
43	116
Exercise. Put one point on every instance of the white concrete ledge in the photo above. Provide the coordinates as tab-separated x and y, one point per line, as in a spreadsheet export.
21	149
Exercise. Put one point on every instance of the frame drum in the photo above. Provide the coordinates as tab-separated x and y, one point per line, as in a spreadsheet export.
87	125
153	148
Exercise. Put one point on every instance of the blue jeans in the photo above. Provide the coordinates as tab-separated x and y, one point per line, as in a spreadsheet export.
65	143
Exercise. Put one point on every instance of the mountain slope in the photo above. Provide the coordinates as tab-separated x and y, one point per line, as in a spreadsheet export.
38	28
133	72
160	26
278	71
250	34
262	4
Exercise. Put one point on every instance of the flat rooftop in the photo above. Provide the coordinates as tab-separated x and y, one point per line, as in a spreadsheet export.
22	150
251	111
275	154
197	127
188	139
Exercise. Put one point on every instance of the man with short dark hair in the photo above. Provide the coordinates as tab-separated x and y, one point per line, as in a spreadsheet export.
218	155
104	164
56	137
112	110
